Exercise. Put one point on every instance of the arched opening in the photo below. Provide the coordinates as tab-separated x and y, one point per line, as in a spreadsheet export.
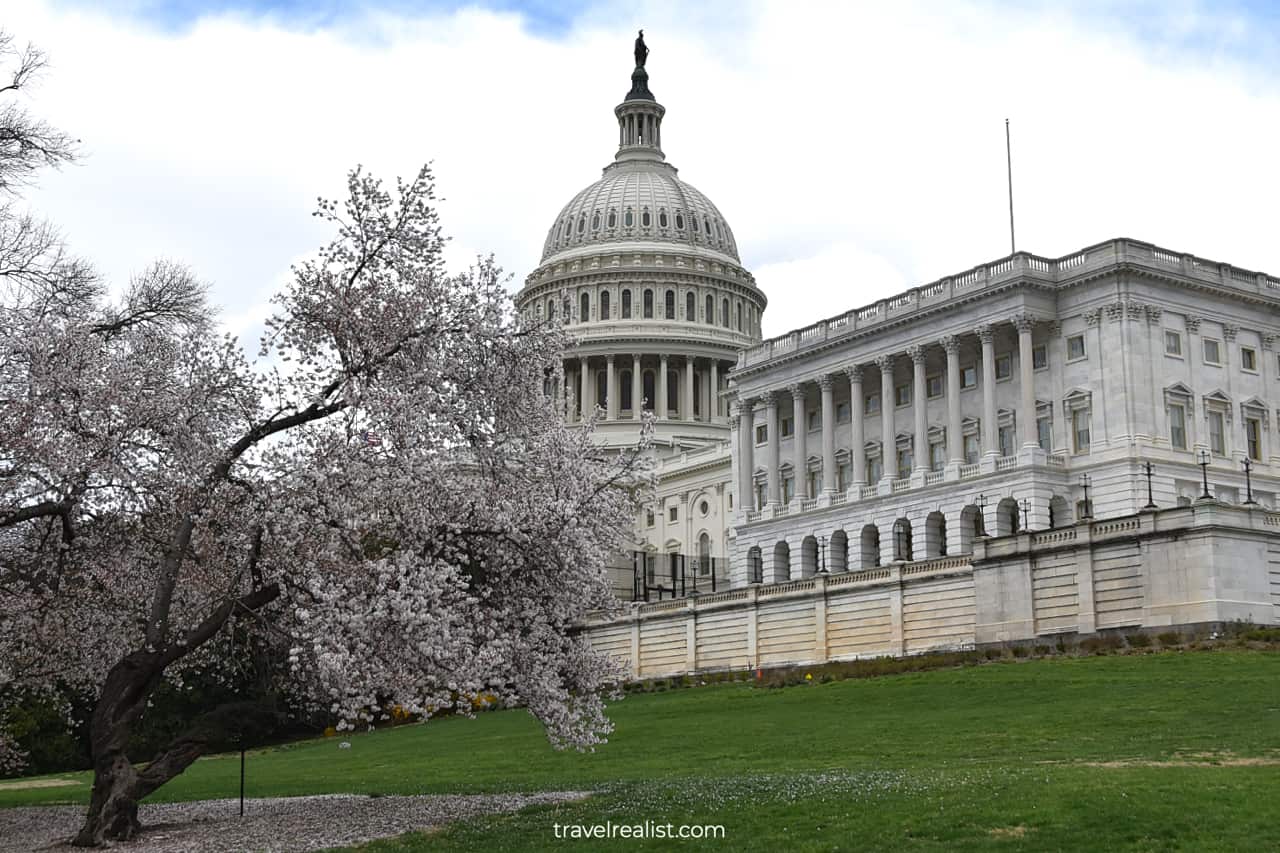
604	305
971	528
902	540
669	305
690	307
935	535
624	397
781	562
551	309
1007	517
808	557
755	565
839	560
648	304
711	311
602	390
647	381
870	547
1059	512
584	308
626	304
704	554
724	313
739	308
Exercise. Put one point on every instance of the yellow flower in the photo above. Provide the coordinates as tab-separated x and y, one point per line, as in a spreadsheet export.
808	676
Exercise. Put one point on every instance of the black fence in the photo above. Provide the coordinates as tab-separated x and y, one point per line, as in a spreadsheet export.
655	577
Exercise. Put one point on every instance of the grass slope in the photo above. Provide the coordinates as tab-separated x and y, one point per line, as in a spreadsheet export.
1001	756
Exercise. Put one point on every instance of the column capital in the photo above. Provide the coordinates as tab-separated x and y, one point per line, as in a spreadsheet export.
825	382
1092	317
609	359
733	420
662	357
771	398
1023	321
1268	342
885	363
1193	324
985	333
796	390
854	372
917	353
1153	313
1230	331
1055	328
951	344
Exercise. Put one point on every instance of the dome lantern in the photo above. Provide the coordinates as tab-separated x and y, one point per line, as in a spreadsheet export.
640	115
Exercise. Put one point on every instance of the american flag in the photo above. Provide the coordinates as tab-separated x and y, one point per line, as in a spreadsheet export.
370	438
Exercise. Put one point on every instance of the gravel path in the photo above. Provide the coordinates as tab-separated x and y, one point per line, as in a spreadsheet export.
274	824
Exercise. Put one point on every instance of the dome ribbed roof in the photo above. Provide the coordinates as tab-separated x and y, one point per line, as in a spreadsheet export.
640	201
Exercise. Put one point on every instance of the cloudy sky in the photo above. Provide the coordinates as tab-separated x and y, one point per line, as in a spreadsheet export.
856	149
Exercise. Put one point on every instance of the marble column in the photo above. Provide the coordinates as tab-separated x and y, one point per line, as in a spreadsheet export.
688	389
637	388
955	435
800	457
662	387
888	441
828	435
584	384
920	409
857	441
1026	378
611	389
771	415
746	453
990	429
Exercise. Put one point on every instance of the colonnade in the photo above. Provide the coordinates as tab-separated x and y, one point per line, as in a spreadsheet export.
673	387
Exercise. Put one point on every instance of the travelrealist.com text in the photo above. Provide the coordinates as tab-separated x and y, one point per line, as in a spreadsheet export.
647	829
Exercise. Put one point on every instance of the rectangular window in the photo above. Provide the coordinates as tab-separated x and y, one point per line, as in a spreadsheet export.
1044	434
1006	440
904	463
902	395
1039	357
788	489
762	433
969	377
1075	347
1212	352
815	420
874	469
1178	427
785	428
1248	359
842	413
1080	430
648	518
1253	436
843	476
761	494
872	404
811	484
1004	367
933	386
937	456
1217	435
970	449
1172	343
673	514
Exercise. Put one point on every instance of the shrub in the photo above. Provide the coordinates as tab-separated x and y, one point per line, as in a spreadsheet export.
1264	635
1169	638
1041	651
1138	641
1019	651
992	654
1100	645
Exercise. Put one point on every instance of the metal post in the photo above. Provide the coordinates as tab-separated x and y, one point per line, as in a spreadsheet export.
1084	483
1203	458
1151	501
242	780
981	503
822	542
1026	515
1248	482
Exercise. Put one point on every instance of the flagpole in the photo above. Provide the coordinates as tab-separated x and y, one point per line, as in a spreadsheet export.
1008	153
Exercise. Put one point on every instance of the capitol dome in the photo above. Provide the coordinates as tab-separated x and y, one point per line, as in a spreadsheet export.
640	201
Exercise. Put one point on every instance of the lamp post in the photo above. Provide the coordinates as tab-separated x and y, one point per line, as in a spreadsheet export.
1026	514
981	503
822	542
1151	502
1248	482
1203	458
1085	482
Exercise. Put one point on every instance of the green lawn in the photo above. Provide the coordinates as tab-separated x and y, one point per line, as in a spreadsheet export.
1003	756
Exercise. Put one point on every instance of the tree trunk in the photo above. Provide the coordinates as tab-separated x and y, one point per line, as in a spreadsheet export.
113	808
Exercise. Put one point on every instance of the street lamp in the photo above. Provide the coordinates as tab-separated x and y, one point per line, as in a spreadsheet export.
1151	502
1248	482
1085	482
981	503
1026	513
1203	458
822	541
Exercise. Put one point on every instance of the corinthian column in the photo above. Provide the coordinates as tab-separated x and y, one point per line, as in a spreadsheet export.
1026	379
771	413
637	388
828	435
746	461
611	389
888	444
662	387
584	382
800	457
990	429
856	437
919	407
955	439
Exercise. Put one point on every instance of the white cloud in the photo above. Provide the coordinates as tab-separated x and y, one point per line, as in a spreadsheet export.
856	149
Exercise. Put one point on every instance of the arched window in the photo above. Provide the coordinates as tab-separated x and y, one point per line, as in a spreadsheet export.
711	310
582	223
648	304
624	395
1007	517
568	309
902	540
935	535
693	223
808	557
595	221
755	565
739	307
626	304
690	307
629	219
551	309
870	542
670	305
673	392
649	394
644	218
724	313
704	554
679	221
602	389
839	551
613	219
706	223
604	305
584	308
662	219
781	562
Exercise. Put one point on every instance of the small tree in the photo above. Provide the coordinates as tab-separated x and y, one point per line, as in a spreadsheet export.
387	490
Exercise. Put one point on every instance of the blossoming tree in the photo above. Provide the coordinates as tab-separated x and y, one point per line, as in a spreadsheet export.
388	490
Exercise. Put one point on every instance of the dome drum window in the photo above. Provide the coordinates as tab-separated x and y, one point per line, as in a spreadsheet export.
629	219
679	221
613	219
595	221
662	219
644	218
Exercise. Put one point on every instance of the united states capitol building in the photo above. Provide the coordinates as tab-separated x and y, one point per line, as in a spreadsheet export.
1029	447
